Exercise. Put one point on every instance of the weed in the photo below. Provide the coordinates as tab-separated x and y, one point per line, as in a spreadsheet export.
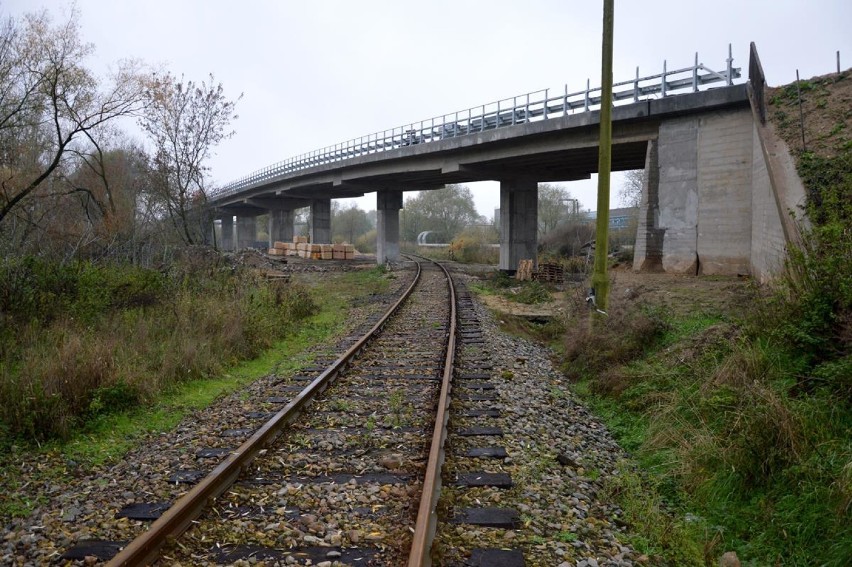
654	531
531	293
339	404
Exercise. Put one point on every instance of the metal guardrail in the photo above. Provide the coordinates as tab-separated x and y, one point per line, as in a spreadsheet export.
529	107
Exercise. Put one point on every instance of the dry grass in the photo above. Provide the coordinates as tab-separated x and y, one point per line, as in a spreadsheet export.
67	369
596	345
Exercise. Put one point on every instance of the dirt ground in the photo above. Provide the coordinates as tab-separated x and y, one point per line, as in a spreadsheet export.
824	118
680	294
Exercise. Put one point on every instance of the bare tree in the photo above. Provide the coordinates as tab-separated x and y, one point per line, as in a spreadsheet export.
631	190
553	206
50	104
185	121
349	223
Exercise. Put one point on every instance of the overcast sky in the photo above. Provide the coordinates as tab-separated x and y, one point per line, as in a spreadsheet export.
314	73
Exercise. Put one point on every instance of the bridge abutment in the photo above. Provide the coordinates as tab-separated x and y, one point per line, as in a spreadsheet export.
321	221
388	204
518	222
696	212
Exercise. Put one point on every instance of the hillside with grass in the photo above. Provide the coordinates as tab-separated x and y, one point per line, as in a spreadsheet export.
741	418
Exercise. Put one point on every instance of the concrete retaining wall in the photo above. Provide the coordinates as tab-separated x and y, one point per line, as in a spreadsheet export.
725	145
769	244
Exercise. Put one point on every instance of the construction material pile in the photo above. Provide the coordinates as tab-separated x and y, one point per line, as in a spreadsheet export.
303	249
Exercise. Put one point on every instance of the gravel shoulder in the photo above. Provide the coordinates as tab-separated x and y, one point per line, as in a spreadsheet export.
560	457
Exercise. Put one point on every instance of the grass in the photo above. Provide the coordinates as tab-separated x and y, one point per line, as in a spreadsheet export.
107	437
731	452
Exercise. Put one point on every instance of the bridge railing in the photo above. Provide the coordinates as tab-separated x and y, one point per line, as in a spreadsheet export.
529	107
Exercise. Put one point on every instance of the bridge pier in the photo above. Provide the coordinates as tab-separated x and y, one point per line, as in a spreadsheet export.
227	243
321	221
246	232
388	204
518	222
281	223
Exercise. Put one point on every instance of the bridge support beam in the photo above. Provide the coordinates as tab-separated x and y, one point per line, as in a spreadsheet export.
281	223
227	243
518	222
321	221
246	232
388	204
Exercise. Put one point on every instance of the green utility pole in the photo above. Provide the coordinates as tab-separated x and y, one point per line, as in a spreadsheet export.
600	280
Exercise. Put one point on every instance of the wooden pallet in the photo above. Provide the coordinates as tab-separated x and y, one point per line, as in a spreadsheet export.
550	273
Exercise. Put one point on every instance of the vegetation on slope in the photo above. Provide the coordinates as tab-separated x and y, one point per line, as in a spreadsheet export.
739	412
81	339
742	420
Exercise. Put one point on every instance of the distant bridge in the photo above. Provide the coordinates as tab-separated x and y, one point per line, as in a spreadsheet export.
521	141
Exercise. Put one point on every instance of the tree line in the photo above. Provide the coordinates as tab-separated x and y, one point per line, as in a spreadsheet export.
72	182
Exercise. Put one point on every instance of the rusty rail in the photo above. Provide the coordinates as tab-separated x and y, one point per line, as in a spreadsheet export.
145	549
424	529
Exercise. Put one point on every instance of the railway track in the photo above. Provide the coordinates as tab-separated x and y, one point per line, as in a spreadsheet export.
351	480
348	482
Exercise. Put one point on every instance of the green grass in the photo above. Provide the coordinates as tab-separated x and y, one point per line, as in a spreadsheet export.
712	423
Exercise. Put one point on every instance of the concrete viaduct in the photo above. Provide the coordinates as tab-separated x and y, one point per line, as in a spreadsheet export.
716	194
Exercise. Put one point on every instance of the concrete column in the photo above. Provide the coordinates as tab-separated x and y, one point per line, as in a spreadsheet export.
246	232
388	204
281	225
518	223
210	233
227	243
648	254
321	221
678	196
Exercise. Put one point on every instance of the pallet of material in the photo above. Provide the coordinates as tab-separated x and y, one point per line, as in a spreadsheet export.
277	252
550	273
278	245
343	252
300	239
525	270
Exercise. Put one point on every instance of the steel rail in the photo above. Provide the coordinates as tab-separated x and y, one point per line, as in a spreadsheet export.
427	520
145	549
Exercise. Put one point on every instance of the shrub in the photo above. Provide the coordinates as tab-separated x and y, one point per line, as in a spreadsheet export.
117	335
531	293
366	242
473	246
592	346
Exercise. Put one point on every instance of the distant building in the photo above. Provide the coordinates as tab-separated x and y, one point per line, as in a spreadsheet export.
618	218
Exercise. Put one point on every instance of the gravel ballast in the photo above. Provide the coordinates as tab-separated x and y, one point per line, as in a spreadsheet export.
559	457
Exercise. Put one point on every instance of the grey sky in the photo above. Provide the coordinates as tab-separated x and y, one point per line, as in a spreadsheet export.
315	73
